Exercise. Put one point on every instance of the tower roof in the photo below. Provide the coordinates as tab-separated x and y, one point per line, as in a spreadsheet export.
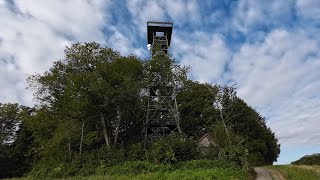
165	27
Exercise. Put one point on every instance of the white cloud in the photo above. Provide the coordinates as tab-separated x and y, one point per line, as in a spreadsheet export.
144	11
297	123
248	14
152	10
123	43
206	54
309	9
83	20
282	74
182	11
33	34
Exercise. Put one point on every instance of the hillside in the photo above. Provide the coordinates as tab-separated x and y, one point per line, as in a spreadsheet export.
313	159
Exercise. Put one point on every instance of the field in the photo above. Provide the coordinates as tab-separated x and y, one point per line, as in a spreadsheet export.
298	172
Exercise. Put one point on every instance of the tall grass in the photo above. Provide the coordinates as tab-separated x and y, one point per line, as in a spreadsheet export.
296	172
142	170
195	169
213	173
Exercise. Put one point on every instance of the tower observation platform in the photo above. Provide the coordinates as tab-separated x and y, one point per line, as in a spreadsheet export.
159	36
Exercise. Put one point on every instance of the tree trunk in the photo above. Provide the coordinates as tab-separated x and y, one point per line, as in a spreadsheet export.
81	141
69	148
105	130
177	117
225	127
118	125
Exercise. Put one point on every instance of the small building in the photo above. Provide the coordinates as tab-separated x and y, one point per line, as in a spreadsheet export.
205	142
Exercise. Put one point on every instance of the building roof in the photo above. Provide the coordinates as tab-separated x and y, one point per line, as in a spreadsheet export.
206	140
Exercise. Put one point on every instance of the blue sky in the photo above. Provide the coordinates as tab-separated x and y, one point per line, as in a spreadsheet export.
271	49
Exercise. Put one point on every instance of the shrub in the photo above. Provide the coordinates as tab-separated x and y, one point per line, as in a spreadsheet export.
112	155
172	149
205	164
84	164
138	167
135	152
194	169
230	145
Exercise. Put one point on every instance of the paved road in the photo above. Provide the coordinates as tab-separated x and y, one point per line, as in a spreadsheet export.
265	174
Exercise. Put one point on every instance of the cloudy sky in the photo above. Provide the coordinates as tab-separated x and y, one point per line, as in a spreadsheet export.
271	49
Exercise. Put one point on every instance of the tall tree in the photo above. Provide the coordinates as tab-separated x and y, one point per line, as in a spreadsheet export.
9	119
93	95
16	141
203	105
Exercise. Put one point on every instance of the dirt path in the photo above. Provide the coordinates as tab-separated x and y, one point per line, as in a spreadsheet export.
266	174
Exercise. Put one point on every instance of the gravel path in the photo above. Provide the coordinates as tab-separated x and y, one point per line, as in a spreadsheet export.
266	174
262	174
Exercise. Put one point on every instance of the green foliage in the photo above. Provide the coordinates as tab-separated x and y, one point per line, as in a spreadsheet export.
230	145
91	86
81	164
138	167
205	163
136	152
313	159
9	118
172	149
15	141
112	156
196	169
162	70
81	100
204	169
114	160
203	105
195	106
260	140
161	152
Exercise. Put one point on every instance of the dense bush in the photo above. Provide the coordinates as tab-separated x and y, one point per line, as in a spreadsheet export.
205	163
144	167
162	155
172	149
135	152
132	159
229	145
313	159
81	164
134	167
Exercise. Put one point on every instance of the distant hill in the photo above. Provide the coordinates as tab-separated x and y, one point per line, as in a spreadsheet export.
313	159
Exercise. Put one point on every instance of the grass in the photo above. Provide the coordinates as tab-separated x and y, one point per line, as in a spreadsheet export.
298	172
179	174
140	170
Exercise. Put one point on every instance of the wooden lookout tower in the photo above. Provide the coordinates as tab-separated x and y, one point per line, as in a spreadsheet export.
162	111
